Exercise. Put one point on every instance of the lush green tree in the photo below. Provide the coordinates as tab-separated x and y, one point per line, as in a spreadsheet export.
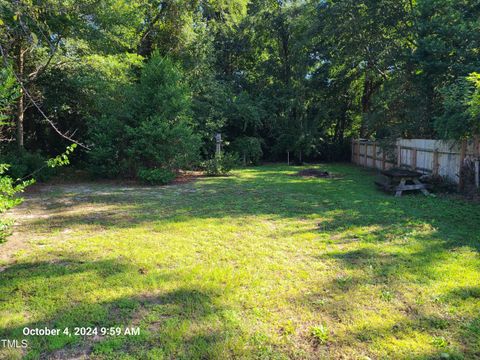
460	118
148	126
429	74
9	91
284	78
249	149
38	36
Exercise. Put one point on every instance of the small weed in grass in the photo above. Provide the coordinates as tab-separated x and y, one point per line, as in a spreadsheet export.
320	333
319	302
344	281
439	342
386	295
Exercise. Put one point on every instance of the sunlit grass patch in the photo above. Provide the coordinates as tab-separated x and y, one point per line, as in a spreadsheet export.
259	264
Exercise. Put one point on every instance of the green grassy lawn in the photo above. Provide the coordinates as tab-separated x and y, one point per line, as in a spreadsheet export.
256	265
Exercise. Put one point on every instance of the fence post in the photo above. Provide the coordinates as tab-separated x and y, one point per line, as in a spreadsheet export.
435	164
463	152
476	150
353	150
414	159
383	159
358	152
399	155
374	155
366	155
477	173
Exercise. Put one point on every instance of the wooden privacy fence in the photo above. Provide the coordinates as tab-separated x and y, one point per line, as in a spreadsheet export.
433	157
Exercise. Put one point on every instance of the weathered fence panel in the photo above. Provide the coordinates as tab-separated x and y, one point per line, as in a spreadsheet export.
435	157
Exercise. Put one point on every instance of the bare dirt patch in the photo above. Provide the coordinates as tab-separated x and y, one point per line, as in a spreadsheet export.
313	173
58	206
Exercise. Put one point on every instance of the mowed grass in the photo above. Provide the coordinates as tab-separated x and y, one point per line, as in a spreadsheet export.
258	265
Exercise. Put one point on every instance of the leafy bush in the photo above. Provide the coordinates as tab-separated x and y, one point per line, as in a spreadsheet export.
27	165
440	184
334	151
156	143
9	188
23	164
156	176
220	165
108	156
249	149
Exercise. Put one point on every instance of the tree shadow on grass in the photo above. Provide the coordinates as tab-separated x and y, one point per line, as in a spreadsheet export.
181	322
343	206
400	281
280	196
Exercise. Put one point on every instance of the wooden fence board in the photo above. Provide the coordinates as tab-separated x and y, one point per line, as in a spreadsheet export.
425	155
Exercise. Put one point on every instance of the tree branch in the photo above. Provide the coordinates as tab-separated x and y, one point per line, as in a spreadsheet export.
34	75
47	119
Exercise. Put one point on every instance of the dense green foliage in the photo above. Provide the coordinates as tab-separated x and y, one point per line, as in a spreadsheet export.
220	164
278	79
23	163
461	116
8	93
249	149
147	125
9	189
156	176
22	171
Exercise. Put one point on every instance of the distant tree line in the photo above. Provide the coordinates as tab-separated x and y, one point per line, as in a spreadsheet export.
143	85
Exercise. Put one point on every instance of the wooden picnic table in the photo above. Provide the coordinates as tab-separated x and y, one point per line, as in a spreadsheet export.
400	180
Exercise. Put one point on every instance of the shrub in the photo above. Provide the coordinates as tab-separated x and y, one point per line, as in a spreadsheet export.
107	157
461	108
249	149
221	164
9	188
157	143
23	164
156	176
440	184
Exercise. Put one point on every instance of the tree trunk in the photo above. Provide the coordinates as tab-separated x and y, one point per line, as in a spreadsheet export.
367	85
20	102
341	123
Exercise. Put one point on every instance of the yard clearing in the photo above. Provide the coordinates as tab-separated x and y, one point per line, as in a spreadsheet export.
259	264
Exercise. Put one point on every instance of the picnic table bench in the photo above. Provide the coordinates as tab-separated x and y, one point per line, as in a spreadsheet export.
400	180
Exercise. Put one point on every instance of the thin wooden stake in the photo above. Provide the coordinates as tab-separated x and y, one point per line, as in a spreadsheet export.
463	152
